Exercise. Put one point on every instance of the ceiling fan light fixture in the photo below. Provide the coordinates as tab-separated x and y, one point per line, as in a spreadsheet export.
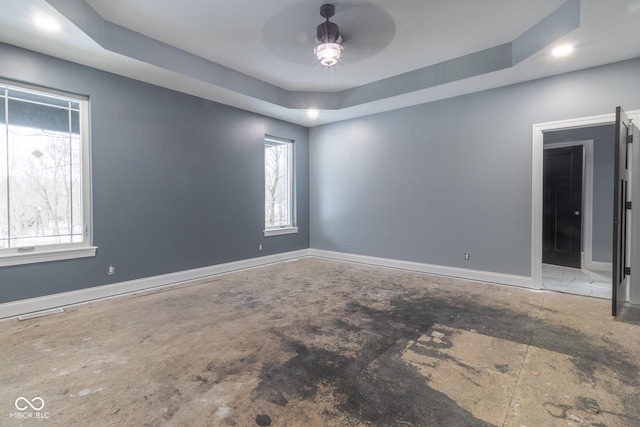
328	53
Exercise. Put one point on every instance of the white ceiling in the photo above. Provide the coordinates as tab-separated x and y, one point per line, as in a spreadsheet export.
269	44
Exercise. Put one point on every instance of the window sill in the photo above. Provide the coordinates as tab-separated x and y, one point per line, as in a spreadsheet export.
45	255
280	231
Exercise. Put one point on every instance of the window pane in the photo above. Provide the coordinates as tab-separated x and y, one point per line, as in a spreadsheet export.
31	96
4	212
77	220
41	166
277	185
38	116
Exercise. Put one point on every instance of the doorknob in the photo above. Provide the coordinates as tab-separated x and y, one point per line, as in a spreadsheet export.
576	213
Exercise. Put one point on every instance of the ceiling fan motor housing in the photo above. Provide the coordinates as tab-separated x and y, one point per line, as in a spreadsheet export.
328	32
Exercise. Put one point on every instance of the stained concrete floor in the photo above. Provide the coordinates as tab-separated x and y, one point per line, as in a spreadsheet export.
316	342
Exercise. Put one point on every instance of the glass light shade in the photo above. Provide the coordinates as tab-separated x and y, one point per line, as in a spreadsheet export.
328	53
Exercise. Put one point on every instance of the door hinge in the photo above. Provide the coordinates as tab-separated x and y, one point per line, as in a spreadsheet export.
629	139
628	206
627	271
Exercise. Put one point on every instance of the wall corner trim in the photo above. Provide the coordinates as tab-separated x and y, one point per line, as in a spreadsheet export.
179	278
440	270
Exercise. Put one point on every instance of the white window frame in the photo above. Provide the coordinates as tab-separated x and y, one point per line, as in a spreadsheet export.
291	227
56	252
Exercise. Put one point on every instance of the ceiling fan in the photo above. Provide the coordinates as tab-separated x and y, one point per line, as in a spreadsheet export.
365	30
328	50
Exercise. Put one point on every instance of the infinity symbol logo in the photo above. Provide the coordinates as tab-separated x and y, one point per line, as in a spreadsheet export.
32	404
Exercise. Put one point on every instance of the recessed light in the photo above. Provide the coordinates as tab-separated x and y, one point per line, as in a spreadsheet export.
46	23
562	50
312	113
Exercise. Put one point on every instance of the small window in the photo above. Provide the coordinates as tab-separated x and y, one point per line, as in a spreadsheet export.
44	176
278	178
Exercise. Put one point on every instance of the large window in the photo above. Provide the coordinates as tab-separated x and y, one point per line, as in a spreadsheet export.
44	176
278	178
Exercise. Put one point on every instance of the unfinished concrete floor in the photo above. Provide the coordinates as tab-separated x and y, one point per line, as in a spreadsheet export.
316	342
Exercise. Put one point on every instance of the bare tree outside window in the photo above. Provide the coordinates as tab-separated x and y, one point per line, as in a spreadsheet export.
277	176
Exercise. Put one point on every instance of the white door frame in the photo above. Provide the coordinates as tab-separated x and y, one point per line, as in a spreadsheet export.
633	294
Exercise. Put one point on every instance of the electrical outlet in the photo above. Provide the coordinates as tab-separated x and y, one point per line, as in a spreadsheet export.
348	244
111	270
259	247
466	256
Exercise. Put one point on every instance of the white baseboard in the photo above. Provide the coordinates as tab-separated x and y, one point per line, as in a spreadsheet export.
17	308
65	299
483	276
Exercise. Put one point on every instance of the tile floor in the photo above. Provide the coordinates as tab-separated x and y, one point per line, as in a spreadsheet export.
575	281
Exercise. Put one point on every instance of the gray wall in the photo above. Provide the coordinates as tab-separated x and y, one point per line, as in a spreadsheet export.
603	159
430	182
178	182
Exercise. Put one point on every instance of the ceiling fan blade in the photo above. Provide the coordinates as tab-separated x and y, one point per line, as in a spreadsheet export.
366	29
290	33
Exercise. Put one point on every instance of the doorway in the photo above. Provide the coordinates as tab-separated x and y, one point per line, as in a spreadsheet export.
579	260
632	293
